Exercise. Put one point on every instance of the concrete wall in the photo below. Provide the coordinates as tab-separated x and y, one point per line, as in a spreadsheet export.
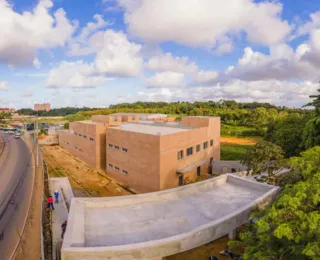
141	160
222	167
74	246
85	141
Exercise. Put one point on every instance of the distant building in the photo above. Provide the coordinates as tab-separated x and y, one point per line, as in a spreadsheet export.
146	155
42	107
7	110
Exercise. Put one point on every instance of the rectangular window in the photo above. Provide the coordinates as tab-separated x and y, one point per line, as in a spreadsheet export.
211	142
80	135
85	136
110	165
115	118
181	180
198	148
125	172
91	139
110	145
205	145
75	133
133	118
189	151
124	150
116	147
117	168
180	155
198	170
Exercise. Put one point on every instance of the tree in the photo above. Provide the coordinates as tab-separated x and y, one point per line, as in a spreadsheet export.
4	117
287	133
264	157
315	102
311	133
289	228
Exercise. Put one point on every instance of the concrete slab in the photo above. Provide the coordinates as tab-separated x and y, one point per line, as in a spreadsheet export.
160	224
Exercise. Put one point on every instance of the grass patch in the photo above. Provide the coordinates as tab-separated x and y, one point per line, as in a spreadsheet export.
241	131
233	152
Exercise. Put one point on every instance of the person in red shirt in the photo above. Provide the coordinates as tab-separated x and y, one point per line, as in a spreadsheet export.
50	202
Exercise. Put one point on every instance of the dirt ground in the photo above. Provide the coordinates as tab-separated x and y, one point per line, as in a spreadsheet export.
238	140
84	180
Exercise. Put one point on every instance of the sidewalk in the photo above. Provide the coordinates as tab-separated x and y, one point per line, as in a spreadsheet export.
60	214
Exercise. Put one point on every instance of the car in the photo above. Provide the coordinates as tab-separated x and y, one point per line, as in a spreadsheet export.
17	136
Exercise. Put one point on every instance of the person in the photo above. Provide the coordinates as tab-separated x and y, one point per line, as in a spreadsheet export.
56	195
50	202
64	227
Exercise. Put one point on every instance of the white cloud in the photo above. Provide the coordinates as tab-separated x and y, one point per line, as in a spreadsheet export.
74	75
283	63
206	76
117	56
167	62
272	91
306	28
223	48
4	85
36	63
27	93
79	45
205	22
167	79
23	34
164	94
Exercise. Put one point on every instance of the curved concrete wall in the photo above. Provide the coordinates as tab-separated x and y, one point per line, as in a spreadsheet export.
164	223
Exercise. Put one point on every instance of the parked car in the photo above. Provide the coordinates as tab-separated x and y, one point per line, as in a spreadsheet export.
17	136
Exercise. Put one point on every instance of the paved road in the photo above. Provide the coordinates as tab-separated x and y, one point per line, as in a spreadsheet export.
14	162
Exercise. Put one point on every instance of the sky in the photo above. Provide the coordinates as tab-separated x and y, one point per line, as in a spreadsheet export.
100	52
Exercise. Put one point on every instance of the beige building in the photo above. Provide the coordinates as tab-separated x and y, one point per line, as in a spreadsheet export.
42	107
146	155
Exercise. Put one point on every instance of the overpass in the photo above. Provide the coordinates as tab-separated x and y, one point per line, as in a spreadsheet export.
159	224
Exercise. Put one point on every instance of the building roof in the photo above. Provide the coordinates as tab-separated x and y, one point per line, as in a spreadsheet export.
153	128
178	219
89	122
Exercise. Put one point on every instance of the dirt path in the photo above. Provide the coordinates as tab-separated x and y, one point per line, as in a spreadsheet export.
240	141
84	180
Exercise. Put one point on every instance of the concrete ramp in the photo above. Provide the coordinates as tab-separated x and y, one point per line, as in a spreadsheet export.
159	224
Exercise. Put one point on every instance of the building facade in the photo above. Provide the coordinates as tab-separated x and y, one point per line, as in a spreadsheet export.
7	110
146	155
42	107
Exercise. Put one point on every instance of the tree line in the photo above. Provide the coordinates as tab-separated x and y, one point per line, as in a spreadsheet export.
53	112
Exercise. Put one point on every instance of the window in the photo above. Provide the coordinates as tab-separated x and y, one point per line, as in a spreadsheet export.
80	135
116	147
211	142
133	118
110	165
110	145
117	168
198	148
91	139
205	145
124	150
180	155
199	170
125	172
67	142
181	180
85	136
75	133
115	118
189	151
80	150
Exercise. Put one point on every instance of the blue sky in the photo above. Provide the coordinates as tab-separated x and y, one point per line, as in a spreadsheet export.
101	52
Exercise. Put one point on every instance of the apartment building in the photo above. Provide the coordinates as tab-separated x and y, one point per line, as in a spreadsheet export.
146	155
42	107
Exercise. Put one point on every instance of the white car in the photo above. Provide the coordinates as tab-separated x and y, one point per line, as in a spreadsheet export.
17	136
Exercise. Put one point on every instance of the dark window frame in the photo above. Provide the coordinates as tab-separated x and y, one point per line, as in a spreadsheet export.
198	148
188	151
180	153
205	145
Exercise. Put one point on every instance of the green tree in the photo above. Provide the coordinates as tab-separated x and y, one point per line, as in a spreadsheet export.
287	132
4	117
311	133
264	157
289	228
